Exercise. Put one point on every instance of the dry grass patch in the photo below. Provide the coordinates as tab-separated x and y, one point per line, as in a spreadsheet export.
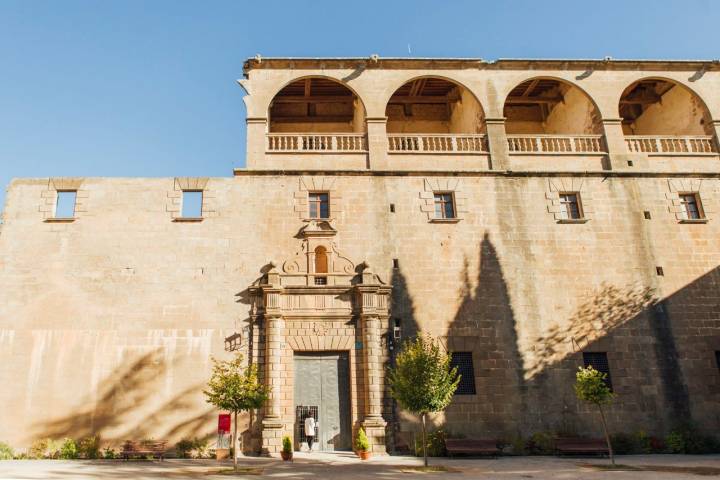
239	471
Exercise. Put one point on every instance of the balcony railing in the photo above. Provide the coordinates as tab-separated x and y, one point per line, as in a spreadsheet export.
317	143
569	144
704	144
441	143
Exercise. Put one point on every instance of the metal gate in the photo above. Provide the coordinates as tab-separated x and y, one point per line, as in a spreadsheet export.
322	382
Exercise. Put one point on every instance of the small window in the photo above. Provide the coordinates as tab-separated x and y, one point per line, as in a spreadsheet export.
444	205
464	363
570	203
397	329
320	280
192	203
65	206
392	208
717	358
599	361
396	263
319	204
692	207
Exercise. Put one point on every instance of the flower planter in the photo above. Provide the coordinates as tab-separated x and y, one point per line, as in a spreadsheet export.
364	454
286	455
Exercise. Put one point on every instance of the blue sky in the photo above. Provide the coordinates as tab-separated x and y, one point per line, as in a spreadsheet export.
147	88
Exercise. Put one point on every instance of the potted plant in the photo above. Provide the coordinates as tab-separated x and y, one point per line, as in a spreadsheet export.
287	452
362	445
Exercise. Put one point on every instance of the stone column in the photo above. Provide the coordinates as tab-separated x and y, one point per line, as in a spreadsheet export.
497	143
272	423
377	143
374	423
256	141
618	156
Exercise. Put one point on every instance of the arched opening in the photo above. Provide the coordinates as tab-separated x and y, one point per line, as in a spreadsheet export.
546	114
434	114
316	114
321	261
321	265
316	105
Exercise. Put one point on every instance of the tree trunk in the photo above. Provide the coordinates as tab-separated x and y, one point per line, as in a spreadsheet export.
607	435
424	440
235	443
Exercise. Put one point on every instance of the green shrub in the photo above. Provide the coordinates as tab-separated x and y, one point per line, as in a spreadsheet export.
200	448
184	447
361	441
287	444
643	442
44	448
6	451
89	447
541	443
622	443
109	453
519	446
435	444
687	439
68	450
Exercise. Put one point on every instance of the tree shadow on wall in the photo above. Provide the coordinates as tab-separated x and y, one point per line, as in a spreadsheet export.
125	408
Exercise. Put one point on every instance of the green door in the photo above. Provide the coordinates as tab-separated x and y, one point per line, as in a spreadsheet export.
322	381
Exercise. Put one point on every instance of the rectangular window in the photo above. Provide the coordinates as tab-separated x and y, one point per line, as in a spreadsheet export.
599	361
192	203
319	204
464	363
444	205
717	358
570	203
691	206
65	206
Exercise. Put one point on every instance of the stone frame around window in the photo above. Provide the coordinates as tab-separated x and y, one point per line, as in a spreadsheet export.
431	186
307	185
703	192
566	185
49	198
174	199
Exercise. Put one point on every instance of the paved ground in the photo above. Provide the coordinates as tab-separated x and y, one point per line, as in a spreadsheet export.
344	466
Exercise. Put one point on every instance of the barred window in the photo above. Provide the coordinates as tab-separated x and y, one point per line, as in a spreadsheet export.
464	363
599	361
691	206
319	204
444	205
570	203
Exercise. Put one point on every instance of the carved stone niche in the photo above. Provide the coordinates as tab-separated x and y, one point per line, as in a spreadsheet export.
318	262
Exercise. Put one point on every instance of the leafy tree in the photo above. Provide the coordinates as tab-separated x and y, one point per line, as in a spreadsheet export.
235	388
422	380
591	387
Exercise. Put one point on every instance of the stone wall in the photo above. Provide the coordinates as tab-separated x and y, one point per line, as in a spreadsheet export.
107	323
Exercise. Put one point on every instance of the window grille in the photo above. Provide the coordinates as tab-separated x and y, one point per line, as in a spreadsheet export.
444	205
691	206
570	203
464	363
320	280
319	204
599	361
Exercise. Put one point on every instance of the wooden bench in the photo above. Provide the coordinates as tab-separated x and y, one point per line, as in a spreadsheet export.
581	446
142	449
466	446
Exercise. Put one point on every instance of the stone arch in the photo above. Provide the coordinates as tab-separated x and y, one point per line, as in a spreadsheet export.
663	106
434	104
551	105
316	103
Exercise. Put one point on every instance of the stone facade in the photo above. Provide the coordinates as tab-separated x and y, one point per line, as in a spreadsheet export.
108	320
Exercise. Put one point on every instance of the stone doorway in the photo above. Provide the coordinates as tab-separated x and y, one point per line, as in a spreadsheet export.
322	389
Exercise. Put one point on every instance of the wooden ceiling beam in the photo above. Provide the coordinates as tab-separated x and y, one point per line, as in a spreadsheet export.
317	119
396	99
531	87
528	100
314	99
308	87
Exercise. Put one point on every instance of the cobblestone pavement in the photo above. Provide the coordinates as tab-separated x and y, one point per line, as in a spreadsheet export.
346	466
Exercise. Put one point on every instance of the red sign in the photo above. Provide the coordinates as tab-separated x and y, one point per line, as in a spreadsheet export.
224	423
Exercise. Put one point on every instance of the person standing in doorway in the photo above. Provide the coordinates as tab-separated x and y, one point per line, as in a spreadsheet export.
310	429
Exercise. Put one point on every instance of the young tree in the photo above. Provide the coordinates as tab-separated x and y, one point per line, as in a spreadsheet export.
422	380
235	388
590	386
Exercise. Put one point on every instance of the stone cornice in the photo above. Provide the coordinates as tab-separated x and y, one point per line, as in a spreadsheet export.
374	62
241	172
